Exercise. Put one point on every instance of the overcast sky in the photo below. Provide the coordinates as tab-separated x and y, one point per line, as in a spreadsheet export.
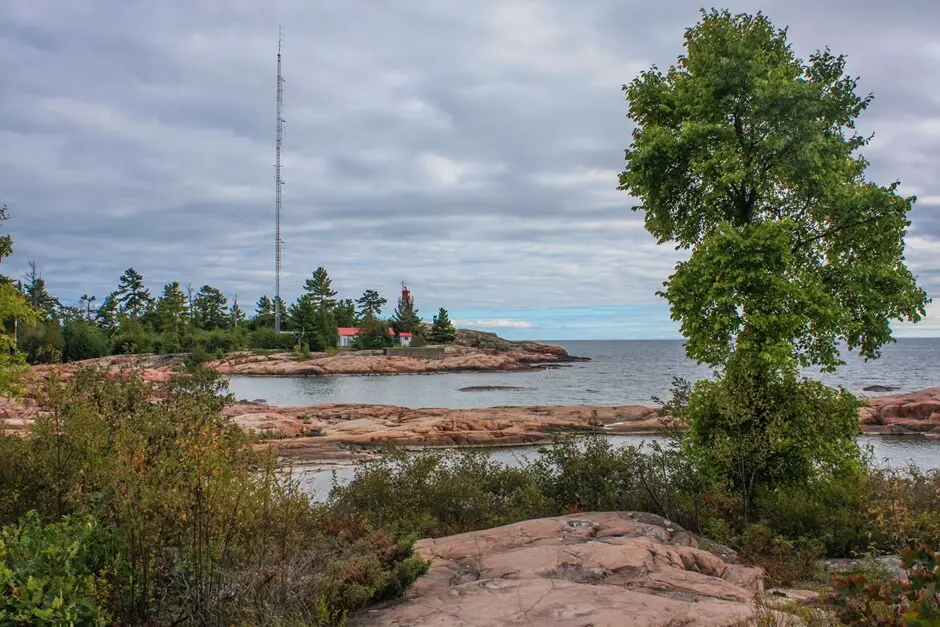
470	148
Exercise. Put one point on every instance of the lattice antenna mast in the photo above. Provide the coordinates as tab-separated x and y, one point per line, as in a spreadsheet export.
278	183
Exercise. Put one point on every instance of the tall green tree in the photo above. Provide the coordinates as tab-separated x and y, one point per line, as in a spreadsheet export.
171	311
14	309
443	331
747	156
405	319
320	288
210	306
264	313
108	313
326	331
302	315
38	296
134	300
370	305
345	313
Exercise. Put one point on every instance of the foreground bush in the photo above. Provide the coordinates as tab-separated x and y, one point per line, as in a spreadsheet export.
205	530
55	574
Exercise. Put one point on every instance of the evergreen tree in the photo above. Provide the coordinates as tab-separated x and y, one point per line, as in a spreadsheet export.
443	331
345	313
210	306
108	314
302	316
37	296
406	318
370	305
327	335
264	313
133	298
373	334
320	288
171	312
86	303
236	315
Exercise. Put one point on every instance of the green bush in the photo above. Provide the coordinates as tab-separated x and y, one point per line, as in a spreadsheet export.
269	339
436	494
83	340
55	574
210	531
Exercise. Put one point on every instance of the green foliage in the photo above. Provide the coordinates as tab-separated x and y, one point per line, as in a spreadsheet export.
202	529
373	334
405	319
130	338
264	313
210	309
42	342
132	298
345	312
107	315
327	335
320	289
747	155
755	428
55	574
439	494
443	331
171	312
911	603
83	340
269	339
370	305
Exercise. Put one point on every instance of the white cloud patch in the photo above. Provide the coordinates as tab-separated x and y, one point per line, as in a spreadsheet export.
495	323
471	148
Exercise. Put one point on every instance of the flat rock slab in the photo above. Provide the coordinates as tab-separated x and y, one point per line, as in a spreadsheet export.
600	569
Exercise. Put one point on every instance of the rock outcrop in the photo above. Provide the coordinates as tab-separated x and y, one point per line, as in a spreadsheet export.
373	425
907	413
599	569
456	359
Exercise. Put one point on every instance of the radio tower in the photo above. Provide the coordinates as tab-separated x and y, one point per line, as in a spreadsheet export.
278	182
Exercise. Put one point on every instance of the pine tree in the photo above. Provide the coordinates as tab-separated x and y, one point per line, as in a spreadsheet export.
370	305
236	315
264	313
210	305
302	315
108	313
327	335
345	313
279	305
443	331
171	312
133	298
320	288
406	318
37	296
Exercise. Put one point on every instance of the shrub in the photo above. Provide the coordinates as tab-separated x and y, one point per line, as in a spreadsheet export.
207	530
436	494
915	602
83	340
55	574
269	339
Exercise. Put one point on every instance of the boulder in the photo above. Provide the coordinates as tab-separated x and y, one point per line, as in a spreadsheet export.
600	569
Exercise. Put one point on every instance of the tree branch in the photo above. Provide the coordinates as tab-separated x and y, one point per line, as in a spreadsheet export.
831	231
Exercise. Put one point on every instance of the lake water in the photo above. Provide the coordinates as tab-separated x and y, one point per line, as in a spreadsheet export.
619	373
889	452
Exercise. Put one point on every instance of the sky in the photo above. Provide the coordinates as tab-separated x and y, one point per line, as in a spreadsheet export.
468	148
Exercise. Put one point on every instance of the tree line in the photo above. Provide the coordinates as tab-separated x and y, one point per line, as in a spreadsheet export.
203	321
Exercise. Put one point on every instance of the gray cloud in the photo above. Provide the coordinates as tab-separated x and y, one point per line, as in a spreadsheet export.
471	148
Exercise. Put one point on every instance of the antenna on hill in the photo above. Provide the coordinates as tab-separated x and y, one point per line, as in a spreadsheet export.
278	182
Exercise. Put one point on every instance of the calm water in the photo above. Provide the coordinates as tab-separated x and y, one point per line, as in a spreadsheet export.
620	373
888	452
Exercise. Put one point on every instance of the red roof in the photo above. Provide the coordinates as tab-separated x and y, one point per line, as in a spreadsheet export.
348	330
405	334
